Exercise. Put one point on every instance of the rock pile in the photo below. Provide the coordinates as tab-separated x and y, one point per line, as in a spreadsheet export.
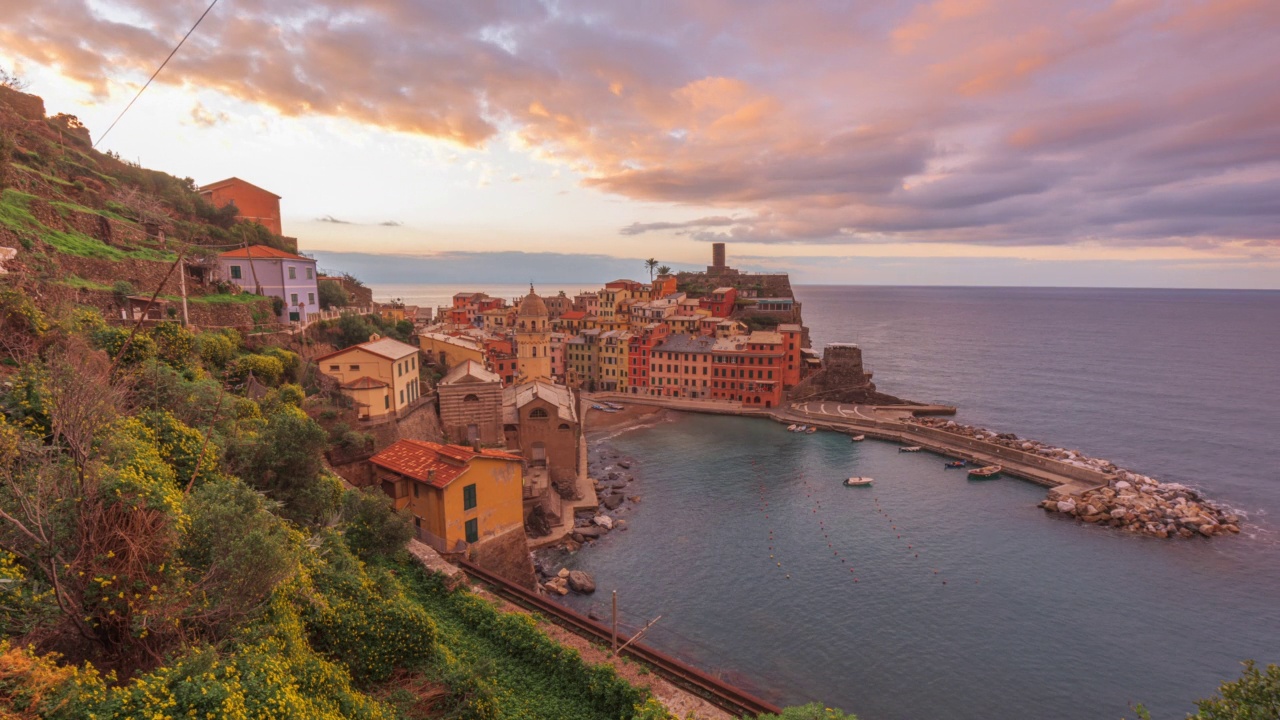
1135	502
565	580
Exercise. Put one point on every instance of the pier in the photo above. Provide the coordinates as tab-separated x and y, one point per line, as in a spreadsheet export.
887	423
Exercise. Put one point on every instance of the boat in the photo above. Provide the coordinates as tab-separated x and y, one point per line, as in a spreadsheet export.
800	428
791	427
983	473
857	438
811	429
597	407
954	464
858	481
615	406
910	448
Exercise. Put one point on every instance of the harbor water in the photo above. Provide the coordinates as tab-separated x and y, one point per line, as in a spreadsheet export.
928	595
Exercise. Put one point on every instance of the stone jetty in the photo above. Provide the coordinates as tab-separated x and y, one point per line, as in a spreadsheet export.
1131	501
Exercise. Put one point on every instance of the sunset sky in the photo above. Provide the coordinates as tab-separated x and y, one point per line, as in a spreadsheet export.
1004	142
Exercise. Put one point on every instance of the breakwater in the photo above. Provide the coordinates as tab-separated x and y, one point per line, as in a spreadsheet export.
1092	490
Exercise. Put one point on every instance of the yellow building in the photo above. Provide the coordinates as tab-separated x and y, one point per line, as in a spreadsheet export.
533	339
582	360
381	375
613	358
450	350
458	497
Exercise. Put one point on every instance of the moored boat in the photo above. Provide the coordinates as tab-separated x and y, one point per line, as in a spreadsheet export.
858	481
910	448
791	427
983	473
857	438
800	428
811	429
954	464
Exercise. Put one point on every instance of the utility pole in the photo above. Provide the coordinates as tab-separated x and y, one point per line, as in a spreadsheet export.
615	622
182	283
638	635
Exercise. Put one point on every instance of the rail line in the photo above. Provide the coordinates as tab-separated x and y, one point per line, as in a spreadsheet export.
715	691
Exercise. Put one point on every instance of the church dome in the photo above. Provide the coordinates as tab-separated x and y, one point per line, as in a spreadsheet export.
532	305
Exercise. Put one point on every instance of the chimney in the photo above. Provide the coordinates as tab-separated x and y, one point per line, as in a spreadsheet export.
431	476
475	444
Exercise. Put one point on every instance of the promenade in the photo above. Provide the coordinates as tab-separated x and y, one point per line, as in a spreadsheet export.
887	423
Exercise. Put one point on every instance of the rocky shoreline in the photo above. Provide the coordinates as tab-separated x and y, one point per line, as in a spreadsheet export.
589	526
1130	501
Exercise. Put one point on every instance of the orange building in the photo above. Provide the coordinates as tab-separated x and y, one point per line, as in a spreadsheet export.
749	369
254	203
457	496
681	366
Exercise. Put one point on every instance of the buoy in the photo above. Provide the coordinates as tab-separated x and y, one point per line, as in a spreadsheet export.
780	565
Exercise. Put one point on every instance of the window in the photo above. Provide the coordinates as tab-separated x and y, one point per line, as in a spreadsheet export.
335	368
311	274
293	273
538	414
235	272
417	521
469	498
401	397
311	298
416	488
355	367
386	402
471	397
293	298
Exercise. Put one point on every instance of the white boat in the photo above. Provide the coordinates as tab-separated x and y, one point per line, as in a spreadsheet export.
615	406
857	438
910	448
791	427
799	428
858	481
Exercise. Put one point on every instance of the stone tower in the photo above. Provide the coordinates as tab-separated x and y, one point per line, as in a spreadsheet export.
533	339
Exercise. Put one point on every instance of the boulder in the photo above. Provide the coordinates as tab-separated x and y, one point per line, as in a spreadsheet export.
1066	506
1122	485
563	574
603	521
619	524
592	532
624	464
613	500
582	582
1118	513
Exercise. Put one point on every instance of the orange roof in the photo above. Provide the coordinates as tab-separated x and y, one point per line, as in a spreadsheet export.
573	315
262	252
234	181
433	463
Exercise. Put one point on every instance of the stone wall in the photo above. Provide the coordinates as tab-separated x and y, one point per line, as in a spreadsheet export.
506	555
485	412
842	379
29	107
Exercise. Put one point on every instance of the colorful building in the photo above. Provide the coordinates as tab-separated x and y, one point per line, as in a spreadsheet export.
266	271
380	375
642	343
253	203
458	497
471	404
749	369
680	366
720	302
450	350
533	339
614	348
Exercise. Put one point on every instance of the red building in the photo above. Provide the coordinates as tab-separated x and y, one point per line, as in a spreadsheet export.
639	351
720	302
254	203
793	361
749	369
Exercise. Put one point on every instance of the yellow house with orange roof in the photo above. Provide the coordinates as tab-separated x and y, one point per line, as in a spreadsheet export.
380	375
458	496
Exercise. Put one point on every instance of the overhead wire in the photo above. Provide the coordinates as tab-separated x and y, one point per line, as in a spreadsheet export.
154	74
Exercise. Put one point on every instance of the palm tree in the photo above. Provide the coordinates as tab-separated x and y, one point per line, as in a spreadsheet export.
650	264
664	270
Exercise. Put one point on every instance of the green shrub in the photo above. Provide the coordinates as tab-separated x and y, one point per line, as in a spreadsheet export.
1255	696
267	370
112	340
370	527
218	348
174	344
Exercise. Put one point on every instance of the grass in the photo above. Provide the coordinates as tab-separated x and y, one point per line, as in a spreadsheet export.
51	178
64	207
80	283
15	214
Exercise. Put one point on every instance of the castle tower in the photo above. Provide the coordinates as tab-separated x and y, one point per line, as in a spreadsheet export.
533	339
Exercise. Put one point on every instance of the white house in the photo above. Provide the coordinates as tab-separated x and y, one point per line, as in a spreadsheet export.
270	272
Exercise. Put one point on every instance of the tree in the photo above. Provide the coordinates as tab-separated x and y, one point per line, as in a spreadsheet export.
664	270
12	81
651	264
332	295
371	527
1256	695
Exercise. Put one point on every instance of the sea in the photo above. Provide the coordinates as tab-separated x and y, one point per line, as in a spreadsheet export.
928	595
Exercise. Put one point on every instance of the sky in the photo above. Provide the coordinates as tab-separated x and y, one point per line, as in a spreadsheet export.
958	142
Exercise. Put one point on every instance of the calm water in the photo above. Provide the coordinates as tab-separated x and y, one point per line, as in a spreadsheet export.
1038	617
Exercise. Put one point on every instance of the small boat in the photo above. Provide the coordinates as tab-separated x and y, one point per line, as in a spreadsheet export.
857	438
791	427
858	481
597	407
983	473
615	406
811	430
800	428
954	464
910	448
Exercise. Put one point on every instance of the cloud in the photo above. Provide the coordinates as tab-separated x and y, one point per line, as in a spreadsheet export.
203	117
987	122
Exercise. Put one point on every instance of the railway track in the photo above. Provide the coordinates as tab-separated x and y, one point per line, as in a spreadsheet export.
724	696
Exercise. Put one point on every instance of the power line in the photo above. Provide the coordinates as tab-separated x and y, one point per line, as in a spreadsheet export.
154	74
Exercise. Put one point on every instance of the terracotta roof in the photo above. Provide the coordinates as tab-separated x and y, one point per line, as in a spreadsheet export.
573	315
262	252
234	181
469	370
433	463
365	383
388	348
